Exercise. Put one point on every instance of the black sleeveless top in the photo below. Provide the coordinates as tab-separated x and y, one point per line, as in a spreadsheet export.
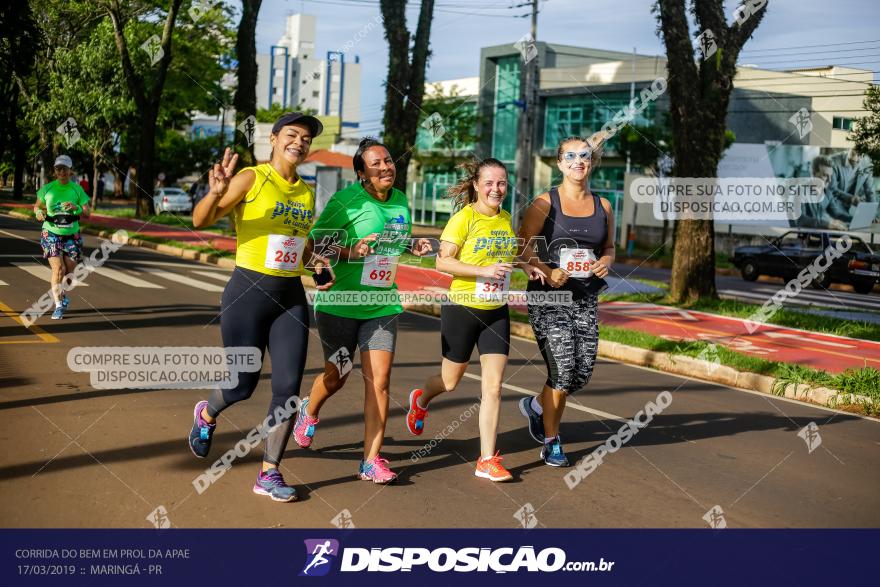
580	232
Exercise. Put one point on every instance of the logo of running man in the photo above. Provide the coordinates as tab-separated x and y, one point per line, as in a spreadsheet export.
715	518
342	360
526	516
526	47
159	518
319	556
801	121
69	131
248	128
343	520
434	125
153	48
810	434
706	43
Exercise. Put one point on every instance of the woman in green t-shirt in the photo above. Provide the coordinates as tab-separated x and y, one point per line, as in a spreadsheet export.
369	226
59	206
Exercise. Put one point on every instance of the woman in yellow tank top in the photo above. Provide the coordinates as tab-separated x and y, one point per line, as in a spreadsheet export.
264	304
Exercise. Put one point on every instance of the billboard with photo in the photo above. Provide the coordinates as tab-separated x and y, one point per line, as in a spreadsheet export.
851	200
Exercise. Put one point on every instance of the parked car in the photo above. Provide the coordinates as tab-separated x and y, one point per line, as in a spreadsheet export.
789	254
172	200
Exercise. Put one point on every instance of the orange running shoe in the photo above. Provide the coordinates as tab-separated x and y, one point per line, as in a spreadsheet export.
415	417
492	469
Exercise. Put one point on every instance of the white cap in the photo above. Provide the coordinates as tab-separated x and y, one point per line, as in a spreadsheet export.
63	160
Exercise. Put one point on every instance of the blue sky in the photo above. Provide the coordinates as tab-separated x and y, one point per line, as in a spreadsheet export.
462	27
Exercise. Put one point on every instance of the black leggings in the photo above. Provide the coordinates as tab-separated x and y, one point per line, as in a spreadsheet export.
262	310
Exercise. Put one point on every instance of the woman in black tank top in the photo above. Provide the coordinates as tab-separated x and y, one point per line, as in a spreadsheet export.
568	233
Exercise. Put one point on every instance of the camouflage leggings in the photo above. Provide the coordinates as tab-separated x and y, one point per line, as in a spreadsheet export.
568	336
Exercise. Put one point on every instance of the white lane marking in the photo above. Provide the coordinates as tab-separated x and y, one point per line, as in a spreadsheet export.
573	406
12	234
126	278
224	276
43	272
183	279
3	282
800	337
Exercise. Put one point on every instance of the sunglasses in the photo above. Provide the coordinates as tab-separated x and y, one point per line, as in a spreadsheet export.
571	156
60	168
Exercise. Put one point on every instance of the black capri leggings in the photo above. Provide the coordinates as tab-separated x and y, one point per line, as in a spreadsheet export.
265	311
568	336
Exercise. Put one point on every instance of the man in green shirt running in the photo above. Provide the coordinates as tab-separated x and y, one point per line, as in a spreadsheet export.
60	204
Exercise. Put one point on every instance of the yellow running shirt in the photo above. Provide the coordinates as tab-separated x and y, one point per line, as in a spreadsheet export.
481	240
272	223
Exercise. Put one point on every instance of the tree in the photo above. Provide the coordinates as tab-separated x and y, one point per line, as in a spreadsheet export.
246	54
145	90
699	94
179	155
405	84
14	67
168	91
866	130
87	85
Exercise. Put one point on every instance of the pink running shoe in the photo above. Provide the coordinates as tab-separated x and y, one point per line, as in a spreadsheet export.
304	427
375	470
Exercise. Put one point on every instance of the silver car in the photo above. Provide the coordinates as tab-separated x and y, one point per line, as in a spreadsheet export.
172	200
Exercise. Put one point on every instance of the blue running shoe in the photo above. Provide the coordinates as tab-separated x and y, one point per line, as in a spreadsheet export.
65	301
201	434
536	420
58	314
553	455
271	483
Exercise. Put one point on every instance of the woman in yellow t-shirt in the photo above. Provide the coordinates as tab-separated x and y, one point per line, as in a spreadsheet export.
264	303
478	247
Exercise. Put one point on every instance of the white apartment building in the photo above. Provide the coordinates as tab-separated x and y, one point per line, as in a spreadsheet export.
293	75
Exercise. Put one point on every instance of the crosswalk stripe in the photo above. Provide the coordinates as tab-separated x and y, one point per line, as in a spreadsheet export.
44	273
126	278
745	294
224	277
830	297
183	279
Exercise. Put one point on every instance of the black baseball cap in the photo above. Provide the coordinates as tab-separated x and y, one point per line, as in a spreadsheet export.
313	123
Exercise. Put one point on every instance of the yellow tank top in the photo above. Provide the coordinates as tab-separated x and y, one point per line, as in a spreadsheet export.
273	222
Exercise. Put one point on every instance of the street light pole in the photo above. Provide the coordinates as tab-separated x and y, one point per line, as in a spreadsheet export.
528	97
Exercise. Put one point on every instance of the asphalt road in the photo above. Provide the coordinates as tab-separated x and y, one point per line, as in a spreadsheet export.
75	456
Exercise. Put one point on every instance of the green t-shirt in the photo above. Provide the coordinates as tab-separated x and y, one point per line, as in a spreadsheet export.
55	193
350	215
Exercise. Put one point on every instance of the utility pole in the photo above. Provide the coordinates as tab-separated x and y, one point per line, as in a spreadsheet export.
528	92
